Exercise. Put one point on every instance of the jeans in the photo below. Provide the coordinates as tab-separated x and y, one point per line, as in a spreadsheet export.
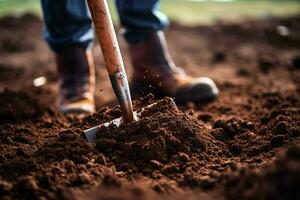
68	22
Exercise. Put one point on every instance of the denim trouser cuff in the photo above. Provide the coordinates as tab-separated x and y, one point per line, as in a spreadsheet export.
68	22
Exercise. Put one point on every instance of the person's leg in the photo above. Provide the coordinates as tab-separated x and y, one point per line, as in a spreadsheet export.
68	31
67	23
140	18
153	68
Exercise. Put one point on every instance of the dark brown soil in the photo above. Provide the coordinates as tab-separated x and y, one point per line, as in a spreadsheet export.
244	145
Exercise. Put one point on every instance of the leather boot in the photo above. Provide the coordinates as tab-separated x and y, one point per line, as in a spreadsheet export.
154	71
76	71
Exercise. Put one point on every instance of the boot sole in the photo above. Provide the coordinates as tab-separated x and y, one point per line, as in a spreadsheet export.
139	89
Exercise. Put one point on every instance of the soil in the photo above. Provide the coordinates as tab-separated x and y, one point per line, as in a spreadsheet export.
244	145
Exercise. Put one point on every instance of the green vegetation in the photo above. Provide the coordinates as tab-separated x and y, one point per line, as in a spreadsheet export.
191	12
188	11
18	7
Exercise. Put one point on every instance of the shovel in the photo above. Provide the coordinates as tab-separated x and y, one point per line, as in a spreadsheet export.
115	68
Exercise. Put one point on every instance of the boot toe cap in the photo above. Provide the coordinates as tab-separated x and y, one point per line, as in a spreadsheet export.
83	106
200	89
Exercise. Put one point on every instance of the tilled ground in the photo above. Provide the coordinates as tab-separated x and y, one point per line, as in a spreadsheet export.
244	145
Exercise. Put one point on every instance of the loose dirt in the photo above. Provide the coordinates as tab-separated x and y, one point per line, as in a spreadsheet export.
244	145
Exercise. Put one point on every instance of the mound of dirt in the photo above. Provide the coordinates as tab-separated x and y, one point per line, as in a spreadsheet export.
163	139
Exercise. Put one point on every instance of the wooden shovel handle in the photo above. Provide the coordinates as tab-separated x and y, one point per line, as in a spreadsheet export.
106	34
112	55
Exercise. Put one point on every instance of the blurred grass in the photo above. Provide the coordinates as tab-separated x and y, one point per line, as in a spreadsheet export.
208	12
188	12
19	7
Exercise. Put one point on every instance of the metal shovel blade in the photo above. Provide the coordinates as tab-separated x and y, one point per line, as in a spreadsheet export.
91	134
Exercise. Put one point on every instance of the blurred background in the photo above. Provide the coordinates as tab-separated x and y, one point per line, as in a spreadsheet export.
189	11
